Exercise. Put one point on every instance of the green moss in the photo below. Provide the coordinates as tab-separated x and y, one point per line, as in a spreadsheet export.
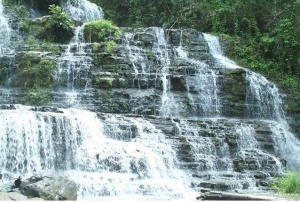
104	83
3	75
119	83
36	71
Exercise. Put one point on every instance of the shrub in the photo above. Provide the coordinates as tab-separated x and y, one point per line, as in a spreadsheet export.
57	28
289	183
96	31
110	46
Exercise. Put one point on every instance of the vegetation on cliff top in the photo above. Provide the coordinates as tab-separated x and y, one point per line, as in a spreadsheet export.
262	35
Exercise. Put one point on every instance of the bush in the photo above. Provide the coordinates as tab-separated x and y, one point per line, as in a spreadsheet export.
110	46
289	183
58	27
96	31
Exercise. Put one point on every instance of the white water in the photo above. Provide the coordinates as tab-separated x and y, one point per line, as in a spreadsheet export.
215	49
77	144
263	101
202	86
5	32
137	58
84	11
76	62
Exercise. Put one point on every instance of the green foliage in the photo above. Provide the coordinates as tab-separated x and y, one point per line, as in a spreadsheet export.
96	31
37	72
57	28
110	46
37	97
3	75
289	183
59	18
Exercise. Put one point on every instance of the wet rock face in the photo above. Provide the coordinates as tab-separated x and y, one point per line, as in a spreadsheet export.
224	154
145	65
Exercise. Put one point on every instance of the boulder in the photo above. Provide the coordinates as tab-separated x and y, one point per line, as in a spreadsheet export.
50	188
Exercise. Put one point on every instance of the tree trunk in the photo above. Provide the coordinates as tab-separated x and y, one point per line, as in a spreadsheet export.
214	195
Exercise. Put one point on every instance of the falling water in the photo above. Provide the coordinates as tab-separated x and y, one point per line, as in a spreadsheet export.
168	106
215	49
263	101
136	57
92	152
75	63
84	11
202	86
5	32
263	98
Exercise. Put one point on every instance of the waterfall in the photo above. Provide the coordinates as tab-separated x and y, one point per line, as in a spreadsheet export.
263	98
92	152
84	11
202	86
5	32
75	63
162	134
215	49
263	101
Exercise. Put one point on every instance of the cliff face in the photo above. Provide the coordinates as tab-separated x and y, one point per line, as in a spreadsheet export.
223	122
146	66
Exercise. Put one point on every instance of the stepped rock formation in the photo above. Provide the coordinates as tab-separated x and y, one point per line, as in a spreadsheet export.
162	115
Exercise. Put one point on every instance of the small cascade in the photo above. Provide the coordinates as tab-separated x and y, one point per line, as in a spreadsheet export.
168	105
263	99
138	60
92	152
5	32
74	66
286	144
221	61
202	86
246	140
84	11
209	149
75	63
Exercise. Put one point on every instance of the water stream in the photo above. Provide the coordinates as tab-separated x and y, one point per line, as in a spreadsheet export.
5	32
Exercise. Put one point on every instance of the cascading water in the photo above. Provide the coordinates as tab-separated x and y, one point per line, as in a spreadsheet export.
202	86
5	32
92	152
84	11
263	101
76	62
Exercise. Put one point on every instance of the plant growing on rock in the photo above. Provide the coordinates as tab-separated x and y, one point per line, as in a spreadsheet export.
58	27
110	46
96	31
37	77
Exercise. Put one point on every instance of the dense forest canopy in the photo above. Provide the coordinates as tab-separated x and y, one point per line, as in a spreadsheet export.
261	35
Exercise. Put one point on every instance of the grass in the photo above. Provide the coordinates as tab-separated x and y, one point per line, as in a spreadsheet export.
289	183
